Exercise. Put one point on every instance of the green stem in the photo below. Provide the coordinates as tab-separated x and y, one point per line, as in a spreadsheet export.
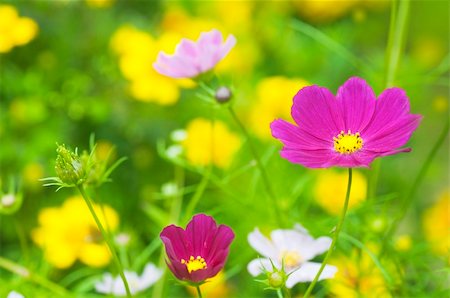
107	239
336	235
22	239
279	293
37	279
396	40
197	195
260	166
199	293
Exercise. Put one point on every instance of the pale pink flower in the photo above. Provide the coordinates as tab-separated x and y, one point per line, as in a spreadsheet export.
193	58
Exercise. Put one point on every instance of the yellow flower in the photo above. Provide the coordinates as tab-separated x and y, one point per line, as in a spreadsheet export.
202	139
436	225
15	30
331	187
440	104
273	100
99	3
137	51
68	233
215	287
403	243
319	11
31	175
357	276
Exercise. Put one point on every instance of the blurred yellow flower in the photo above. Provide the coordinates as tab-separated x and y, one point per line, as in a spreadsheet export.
215	287
440	104
319	11
331	187
137	50
357	276
403	243
273	100
31	175
436	225
15	30
428	51
203	137
68	233
100	3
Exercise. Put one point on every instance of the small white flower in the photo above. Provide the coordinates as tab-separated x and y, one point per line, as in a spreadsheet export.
169	189
8	200
123	239
178	135
293	247
14	294
115	286
174	151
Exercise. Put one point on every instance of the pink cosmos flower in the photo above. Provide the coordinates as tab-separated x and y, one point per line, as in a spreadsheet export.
200	251
350	129
193	58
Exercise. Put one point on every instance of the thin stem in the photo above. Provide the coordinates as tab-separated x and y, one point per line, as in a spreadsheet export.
199	293
396	40
197	195
260	166
22	239
336	235
107	239
279	293
37	279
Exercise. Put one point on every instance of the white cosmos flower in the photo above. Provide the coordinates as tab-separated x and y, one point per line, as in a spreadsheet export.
14	294
114	285
295	248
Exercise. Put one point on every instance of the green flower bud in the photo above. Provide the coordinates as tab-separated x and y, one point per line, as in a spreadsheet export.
10	203
69	166
277	279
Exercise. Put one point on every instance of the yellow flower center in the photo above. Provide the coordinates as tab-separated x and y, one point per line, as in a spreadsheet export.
347	143
291	259
194	264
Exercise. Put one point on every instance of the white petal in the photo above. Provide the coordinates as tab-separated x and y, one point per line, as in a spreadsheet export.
308	271
105	285
311	248
14	294
150	275
289	240
257	266
261	244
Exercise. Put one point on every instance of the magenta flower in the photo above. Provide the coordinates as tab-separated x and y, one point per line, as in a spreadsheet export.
349	130
200	251
193	58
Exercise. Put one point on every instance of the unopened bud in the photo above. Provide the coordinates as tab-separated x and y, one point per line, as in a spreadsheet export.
69	166
223	94
276	279
8	200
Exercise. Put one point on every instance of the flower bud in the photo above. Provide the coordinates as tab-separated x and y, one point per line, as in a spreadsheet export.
10	203
69	167
223	94
276	279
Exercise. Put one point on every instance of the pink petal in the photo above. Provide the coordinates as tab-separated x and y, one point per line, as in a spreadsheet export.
316	111
201	231
176	243
357	103
310	158
391	105
187	49
295	138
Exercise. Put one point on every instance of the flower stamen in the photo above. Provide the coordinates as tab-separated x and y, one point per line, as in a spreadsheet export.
347	143
194	264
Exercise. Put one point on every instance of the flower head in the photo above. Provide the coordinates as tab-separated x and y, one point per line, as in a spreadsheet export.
350	129
114	285
293	249
15	30
68	233
200	251
193	58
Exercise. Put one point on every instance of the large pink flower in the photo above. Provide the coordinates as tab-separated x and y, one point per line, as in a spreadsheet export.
350	129
200	251
193	58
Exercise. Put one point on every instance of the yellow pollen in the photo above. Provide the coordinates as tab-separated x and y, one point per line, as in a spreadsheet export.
291	259
347	143
194	264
